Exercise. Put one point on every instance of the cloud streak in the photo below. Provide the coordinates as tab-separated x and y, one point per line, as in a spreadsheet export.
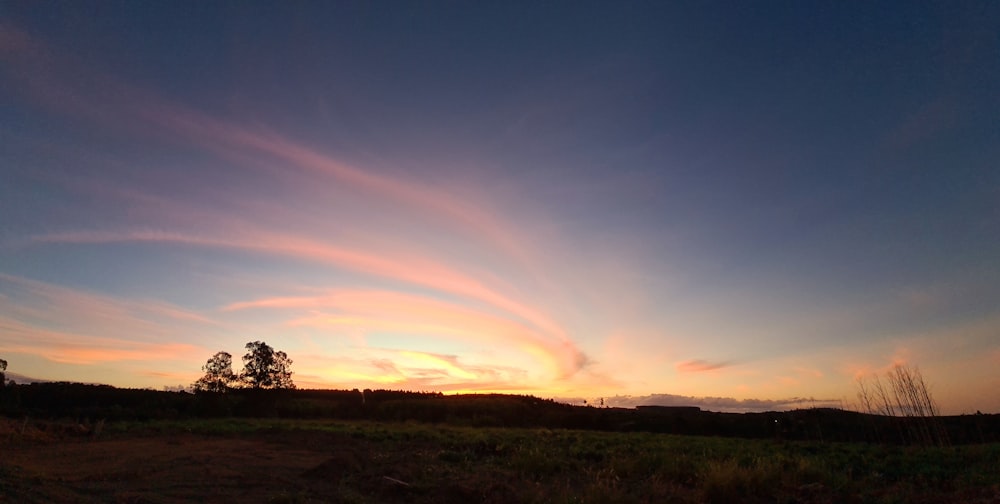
470	217
385	310
699	366
116	105
73	88
39	302
409	269
577	224
78	328
76	348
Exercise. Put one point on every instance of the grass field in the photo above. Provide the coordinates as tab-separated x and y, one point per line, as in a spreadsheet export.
314	461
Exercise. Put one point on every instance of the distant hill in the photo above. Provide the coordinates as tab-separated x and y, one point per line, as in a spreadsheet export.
22	379
83	401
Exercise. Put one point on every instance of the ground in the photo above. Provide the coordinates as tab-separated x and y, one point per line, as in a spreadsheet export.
273	461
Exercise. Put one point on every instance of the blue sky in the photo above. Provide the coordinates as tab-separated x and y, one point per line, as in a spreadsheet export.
697	199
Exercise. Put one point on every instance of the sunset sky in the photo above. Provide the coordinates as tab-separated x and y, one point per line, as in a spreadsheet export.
738	205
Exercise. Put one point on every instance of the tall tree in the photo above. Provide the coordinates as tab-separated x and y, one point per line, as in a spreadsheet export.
3	376
263	368
219	376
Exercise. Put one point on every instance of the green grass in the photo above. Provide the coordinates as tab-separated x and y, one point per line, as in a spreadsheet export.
459	464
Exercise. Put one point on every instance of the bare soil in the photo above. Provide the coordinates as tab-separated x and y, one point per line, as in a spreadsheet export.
67	464
176	468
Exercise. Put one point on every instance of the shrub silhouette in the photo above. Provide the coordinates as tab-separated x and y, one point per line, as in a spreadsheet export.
904	394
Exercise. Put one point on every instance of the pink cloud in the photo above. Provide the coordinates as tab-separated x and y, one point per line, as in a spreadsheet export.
72	88
78	354
395	311
699	365
69	326
75	348
217	134
808	372
788	381
410	269
34	301
901	357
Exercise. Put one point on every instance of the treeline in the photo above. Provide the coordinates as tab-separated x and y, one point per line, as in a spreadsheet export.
96	402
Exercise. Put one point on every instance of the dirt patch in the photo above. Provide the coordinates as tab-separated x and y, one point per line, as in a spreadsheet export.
335	468
59	464
181	468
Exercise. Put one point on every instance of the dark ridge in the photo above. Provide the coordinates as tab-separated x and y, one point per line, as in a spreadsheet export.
79	401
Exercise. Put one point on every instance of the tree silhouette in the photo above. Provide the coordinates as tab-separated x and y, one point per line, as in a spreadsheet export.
219	376
3	377
263	368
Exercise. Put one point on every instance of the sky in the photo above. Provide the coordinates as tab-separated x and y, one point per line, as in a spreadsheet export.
737	205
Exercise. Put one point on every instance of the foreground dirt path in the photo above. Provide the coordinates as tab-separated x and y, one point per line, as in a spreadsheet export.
182	468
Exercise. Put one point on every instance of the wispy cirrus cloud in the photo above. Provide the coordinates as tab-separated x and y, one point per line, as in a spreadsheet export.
73	327
700	365
70	87
215	134
415	270
250	220
386	310
76	348
49	305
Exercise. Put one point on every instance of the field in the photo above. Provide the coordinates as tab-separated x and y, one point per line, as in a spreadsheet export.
290	461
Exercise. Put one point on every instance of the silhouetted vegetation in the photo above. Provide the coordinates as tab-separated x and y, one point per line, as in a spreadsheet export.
263	369
79	401
404	446
904	393
266	369
899	411
219	376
